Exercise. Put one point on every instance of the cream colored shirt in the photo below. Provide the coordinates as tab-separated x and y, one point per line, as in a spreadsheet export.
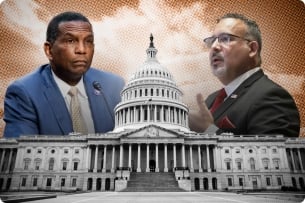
82	97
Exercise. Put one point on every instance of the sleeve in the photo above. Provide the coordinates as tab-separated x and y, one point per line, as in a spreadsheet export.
274	113
19	112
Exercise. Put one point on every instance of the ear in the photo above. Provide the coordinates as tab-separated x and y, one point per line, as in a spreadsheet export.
253	45
47	46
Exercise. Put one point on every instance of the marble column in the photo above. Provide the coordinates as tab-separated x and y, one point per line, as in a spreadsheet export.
121	156
199	159
174	151
105	155
183	155
139	158
191	159
157	158
300	159
147	158
95	159
208	158
88	158
165	158
112	161
129	157
292	159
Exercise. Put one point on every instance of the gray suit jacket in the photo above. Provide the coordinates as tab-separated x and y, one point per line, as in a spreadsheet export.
257	106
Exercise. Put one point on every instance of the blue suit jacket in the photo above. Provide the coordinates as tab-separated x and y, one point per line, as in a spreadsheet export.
34	104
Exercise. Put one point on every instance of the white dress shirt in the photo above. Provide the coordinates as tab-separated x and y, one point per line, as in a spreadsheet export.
82	97
230	88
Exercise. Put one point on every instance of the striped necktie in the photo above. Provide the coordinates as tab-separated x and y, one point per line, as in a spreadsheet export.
79	125
219	100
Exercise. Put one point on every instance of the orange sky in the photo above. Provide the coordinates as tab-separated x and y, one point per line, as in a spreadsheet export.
122	30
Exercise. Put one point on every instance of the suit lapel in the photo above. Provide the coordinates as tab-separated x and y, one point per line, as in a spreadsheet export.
56	102
96	103
238	93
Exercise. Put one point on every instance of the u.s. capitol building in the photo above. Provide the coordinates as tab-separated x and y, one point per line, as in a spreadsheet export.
151	149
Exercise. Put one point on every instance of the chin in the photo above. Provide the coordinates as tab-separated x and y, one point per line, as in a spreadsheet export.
219	72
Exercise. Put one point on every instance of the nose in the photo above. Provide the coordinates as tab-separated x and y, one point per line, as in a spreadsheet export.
215	44
80	48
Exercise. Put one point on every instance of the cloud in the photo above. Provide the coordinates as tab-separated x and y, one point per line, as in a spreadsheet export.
293	83
21	17
125	35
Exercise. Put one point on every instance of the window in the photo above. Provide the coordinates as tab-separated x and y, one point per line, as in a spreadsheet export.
73	182
266	164
49	182
237	151
64	165
276	164
274	151
66	151
26	164
238	163
37	165
51	164
75	165
53	151
250	151
28	151
279	181
227	151
268	181
76	151
35	182
23	182
39	151
241	181
264	151
230	181
63	182
252	164
228	164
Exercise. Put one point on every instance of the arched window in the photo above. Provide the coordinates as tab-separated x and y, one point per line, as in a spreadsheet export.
37	163
265	163
238	163
51	164
26	163
64	164
276	164
252	163
228	164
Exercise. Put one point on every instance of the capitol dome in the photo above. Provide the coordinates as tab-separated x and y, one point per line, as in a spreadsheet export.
151	97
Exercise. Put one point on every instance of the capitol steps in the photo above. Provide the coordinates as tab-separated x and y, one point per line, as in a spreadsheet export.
152	182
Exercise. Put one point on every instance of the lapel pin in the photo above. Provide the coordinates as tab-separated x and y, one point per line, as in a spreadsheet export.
234	96
97	92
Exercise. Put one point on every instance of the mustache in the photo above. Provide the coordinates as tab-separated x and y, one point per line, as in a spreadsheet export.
216	55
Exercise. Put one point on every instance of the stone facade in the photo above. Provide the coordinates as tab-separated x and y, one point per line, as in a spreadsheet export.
151	135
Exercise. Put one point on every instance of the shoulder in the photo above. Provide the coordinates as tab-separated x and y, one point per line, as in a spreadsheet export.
31	81
99	75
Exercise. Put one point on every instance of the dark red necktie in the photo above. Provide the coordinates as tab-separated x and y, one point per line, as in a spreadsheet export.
219	99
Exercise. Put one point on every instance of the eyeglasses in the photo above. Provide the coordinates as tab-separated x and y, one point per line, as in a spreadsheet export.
223	39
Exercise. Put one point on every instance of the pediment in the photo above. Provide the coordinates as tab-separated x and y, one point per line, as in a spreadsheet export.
152	131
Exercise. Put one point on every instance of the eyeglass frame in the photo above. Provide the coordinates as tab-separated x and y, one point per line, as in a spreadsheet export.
209	45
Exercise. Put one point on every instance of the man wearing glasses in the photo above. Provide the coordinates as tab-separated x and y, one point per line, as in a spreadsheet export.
249	103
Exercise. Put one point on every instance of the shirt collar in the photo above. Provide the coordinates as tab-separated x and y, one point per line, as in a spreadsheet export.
232	86
64	87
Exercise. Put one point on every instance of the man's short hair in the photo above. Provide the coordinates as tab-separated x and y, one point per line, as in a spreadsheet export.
52	30
253	29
